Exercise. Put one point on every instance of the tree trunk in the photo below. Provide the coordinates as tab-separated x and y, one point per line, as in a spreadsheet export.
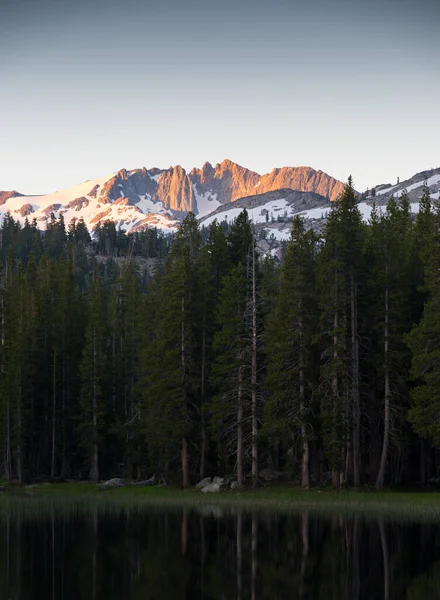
355	381
94	467
54	405
185	460
240	476
202	407
19	457
336	482
254	407
8	466
387	393
185	463
64	467
7	449
305	481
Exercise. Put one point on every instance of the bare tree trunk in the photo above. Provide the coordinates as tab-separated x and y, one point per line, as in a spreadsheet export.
185	463
19	430
305	480
94	468
240	475
54	405
8	465
185	458
64	467
387	393
355	381
254	407
202	406
7	449
336	482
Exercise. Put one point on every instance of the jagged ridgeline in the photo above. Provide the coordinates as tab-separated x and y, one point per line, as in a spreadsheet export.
191	356
160	198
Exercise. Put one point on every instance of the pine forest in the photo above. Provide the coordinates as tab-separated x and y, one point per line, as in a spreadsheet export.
192	356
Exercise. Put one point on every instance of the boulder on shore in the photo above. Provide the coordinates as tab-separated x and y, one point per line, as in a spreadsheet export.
219	480
112	483
203	483
212	488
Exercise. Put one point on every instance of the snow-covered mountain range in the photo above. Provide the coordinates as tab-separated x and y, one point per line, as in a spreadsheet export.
160	197
143	198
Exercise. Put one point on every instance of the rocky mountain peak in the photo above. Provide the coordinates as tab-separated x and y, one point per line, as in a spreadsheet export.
145	197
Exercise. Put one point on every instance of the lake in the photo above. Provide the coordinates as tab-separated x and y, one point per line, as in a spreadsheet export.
99	553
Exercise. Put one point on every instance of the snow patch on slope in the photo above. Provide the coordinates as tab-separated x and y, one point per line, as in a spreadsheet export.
146	205
206	203
433	180
256	215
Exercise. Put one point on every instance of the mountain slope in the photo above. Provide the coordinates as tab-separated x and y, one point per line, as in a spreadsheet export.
413	187
161	197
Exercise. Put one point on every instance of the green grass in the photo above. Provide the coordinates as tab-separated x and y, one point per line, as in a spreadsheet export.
71	498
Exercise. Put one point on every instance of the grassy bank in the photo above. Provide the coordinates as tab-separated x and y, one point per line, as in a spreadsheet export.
415	506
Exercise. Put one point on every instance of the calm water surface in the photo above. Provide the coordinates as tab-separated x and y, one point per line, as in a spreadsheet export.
213	553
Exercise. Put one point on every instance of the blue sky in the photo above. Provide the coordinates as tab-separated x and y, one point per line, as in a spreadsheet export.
89	87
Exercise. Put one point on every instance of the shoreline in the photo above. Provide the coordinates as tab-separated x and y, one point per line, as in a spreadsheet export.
389	504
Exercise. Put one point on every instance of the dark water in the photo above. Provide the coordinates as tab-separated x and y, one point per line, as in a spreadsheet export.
187	554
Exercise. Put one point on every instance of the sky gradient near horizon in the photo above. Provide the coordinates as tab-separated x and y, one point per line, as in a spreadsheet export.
89	87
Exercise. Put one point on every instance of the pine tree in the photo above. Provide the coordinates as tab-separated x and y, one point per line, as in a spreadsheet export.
229	408
424	342
124	320
94	379
213	265
391	243
172	378
290	347
341	268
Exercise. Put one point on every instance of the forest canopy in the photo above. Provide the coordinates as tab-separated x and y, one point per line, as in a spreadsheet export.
127	355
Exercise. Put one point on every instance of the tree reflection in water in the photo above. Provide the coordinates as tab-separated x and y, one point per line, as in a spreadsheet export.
214	553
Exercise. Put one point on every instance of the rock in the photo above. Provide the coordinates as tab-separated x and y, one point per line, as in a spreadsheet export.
235	485
4	196
203	483
219	480
26	209
112	483
212	488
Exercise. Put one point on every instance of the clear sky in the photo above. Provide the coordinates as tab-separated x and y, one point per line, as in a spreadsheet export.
90	86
